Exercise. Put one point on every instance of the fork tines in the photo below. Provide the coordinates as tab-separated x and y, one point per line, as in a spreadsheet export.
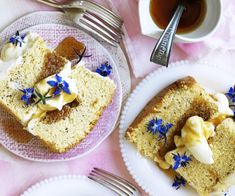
92	17
102	28
113	182
104	13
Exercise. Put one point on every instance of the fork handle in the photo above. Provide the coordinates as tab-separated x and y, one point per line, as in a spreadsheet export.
50	3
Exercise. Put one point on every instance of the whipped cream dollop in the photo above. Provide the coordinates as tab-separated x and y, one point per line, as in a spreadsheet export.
63	98
223	104
11	51
12	55
194	135
194	141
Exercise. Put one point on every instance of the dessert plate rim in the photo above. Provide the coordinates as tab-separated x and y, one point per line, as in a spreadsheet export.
57	182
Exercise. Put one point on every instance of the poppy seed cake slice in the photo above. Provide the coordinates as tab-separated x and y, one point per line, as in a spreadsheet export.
63	130
60	130
175	104
22	74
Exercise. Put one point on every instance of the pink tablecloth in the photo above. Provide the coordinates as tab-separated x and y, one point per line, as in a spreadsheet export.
17	174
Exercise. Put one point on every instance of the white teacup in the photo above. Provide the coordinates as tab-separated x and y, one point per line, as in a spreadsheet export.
208	26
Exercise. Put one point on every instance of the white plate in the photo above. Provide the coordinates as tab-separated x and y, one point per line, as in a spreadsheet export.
153	180
67	186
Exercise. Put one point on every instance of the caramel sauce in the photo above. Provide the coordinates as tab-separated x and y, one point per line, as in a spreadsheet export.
56	115
68	46
20	135
14	129
52	65
163	10
217	120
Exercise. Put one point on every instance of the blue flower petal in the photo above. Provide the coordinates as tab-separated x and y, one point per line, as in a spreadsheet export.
31	90
12	40
24	97
57	91
180	161
58	78
157	126
28	95
176	165
27	101
52	83
17	39
169	126
231	90
65	84
178	182
104	69
66	90
159	121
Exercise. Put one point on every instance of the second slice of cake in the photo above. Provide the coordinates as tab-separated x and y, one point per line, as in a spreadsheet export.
171	107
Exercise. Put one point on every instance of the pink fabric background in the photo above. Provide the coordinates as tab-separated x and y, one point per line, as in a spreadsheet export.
17	174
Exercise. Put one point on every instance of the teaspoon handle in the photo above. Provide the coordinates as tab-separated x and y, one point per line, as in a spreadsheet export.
162	49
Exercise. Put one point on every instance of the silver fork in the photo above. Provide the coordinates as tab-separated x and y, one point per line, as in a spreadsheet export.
92	17
113	182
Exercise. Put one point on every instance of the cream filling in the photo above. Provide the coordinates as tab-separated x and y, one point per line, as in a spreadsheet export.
195	134
63	98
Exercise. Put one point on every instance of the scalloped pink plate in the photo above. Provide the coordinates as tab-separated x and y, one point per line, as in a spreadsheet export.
33	149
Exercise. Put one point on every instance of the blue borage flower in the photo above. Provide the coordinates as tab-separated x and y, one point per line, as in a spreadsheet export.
231	94
59	85
32	96
104	70
28	96
180	161
156	126
178	182
17	39
231	97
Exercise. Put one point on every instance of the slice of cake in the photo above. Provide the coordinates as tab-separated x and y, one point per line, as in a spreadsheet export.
171	108
216	177
54	101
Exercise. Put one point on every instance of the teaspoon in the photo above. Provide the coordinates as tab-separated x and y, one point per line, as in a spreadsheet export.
161	51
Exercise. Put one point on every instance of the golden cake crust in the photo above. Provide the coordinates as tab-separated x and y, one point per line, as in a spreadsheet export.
159	99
